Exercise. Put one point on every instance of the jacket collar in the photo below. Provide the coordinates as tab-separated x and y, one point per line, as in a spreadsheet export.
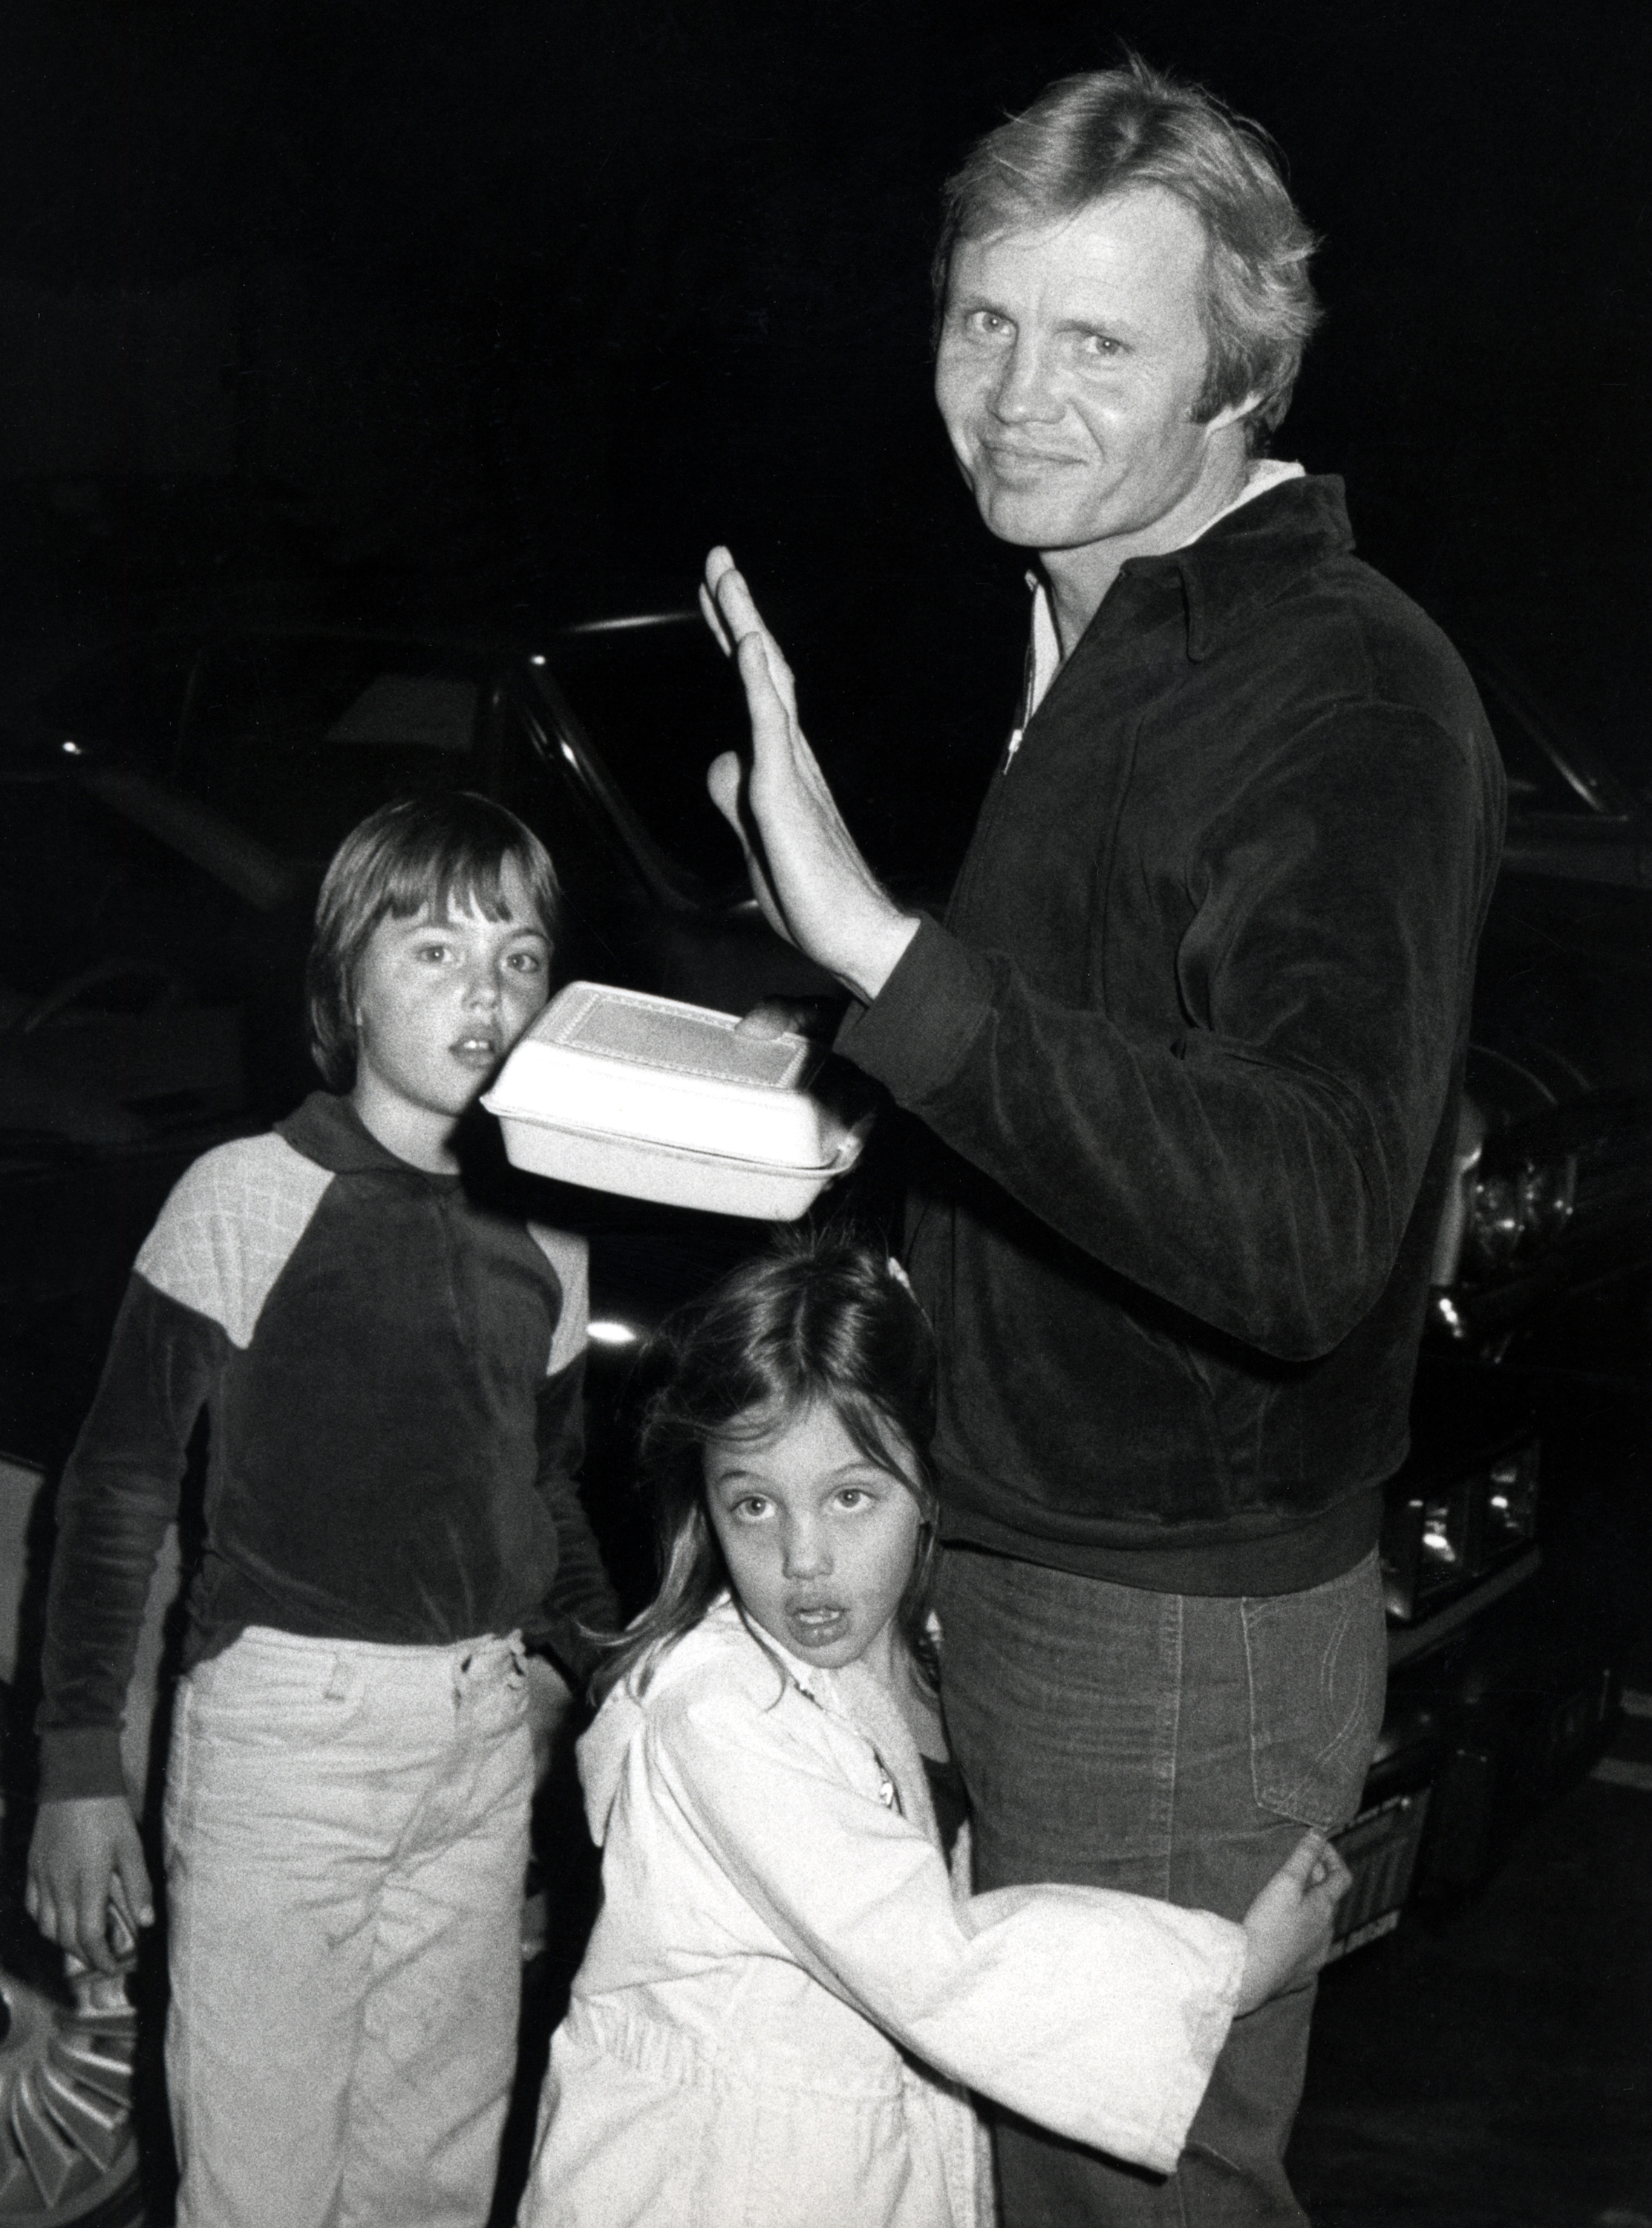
1248	557
330	1131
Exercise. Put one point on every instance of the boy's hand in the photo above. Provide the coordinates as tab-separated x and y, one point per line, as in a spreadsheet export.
88	1885
1287	1929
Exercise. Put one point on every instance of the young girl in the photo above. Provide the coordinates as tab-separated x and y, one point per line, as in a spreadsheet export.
783	2003
391	1369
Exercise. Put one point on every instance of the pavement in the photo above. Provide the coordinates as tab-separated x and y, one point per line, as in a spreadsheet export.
1491	2066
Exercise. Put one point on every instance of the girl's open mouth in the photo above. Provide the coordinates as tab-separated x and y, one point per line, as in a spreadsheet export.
817	1624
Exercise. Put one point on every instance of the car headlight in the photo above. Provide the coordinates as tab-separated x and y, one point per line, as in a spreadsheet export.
1513	1210
1444	1537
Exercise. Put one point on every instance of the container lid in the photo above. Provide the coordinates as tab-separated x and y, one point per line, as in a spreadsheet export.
627	1065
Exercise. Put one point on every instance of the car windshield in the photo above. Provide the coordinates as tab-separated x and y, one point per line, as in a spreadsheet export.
660	701
1539	778
297	741
131	697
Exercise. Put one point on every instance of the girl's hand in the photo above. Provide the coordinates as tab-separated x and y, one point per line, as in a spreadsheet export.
1287	1929
88	1886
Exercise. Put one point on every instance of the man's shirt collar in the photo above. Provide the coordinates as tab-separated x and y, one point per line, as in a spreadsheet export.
1044	654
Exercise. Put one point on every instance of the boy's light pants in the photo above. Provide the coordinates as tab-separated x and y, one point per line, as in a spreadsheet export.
346	1839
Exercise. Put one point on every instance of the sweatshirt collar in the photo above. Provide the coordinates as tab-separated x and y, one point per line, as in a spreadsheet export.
329	1130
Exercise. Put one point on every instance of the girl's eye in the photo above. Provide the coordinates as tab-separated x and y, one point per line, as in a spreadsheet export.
432	950
853	1496
751	1506
527	963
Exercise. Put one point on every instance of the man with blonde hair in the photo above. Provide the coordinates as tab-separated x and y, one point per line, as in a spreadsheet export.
1188	1043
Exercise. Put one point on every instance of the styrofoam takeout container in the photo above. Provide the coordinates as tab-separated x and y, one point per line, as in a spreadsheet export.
624	1092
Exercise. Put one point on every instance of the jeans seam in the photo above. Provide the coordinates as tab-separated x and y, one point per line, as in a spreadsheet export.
1169	1734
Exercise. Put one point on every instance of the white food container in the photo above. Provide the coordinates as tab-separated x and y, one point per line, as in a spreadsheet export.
624	1092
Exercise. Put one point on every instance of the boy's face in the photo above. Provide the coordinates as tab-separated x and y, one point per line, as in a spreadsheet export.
439	1003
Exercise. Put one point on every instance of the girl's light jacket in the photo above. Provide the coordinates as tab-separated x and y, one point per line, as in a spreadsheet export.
783	2002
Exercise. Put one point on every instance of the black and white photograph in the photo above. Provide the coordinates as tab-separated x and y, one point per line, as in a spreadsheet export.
826	1114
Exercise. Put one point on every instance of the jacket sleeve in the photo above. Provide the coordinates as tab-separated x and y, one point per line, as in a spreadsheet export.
581	1599
118	1493
1097	2014
1257	1167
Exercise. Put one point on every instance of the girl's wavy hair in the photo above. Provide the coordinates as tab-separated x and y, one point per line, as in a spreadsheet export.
1104	132
820	1318
448	851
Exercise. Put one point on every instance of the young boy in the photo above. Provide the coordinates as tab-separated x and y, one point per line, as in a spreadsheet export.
392	1372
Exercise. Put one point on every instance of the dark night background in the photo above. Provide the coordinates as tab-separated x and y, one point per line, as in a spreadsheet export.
490	315
502	312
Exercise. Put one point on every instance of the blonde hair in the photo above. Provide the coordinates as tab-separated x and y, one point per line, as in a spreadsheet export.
435	851
1088	138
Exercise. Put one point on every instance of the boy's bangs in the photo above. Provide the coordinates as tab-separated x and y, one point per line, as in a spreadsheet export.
459	879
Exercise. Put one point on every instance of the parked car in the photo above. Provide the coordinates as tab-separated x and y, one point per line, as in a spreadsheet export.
168	812
1518	1536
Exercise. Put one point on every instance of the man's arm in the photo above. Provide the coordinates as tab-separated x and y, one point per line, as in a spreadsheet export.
582	1598
1258	1169
581	1595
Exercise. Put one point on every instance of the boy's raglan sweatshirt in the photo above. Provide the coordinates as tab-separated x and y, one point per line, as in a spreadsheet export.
392	1374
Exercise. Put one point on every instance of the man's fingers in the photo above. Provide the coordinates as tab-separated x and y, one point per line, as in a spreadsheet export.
726	781
766	676
723	781
780	1017
769	711
738	620
713	618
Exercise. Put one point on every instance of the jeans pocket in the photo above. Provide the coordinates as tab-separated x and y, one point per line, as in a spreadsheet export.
274	1700
1317	1663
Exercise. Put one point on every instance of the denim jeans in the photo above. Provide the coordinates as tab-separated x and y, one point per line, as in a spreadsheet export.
1175	1745
346	1840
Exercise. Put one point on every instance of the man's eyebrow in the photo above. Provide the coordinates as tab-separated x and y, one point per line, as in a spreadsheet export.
972	298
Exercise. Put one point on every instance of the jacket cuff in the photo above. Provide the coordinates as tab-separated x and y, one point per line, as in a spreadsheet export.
918	1030
80	1760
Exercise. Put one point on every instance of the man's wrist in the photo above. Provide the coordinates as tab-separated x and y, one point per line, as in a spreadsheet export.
884	948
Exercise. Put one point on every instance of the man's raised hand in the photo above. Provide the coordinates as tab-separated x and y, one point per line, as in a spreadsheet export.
807	871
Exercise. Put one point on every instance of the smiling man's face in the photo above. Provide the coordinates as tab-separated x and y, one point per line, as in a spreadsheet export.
1070	360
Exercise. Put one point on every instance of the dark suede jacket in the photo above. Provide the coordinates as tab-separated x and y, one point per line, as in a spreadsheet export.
1190	1042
